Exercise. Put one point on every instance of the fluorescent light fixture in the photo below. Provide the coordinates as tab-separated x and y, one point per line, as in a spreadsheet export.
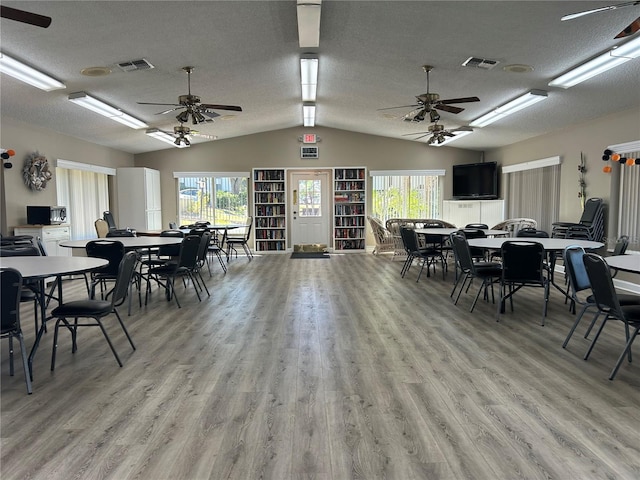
27	74
309	115
526	100
309	78
164	137
459	133
602	63
309	23
98	106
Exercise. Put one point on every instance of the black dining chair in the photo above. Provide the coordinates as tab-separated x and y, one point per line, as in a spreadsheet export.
427	253
111	250
609	305
573	257
234	241
522	266
481	226
185	267
217	249
96	310
11	287
488	272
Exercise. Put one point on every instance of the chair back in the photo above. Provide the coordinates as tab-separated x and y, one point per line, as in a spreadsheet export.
173	226
602	287
102	228
223	240
126	267
481	226
462	251
19	251
532	233
473	233
41	248
522	261
111	250
11	286
189	252
108	217
574	266
591	209
247	232
409	240
203	248
170	250
621	245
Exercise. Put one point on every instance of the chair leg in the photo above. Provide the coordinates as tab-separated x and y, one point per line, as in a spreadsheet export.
575	324
593	342
124	329
627	349
23	352
11	354
104	332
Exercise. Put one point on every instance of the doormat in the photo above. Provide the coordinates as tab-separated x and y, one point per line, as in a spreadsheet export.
310	255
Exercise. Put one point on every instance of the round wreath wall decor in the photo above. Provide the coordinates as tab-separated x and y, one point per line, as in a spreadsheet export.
36	172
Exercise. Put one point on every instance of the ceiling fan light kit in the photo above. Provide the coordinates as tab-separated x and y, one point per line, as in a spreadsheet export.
29	75
515	105
456	134
606	61
106	110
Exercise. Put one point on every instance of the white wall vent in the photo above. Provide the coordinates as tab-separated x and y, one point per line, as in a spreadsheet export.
133	65
309	152
483	63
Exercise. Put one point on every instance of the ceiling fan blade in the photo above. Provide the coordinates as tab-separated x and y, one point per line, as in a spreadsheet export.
401	106
24	17
459	100
448	134
449	108
210	114
211	106
416	133
168	104
630	30
571	16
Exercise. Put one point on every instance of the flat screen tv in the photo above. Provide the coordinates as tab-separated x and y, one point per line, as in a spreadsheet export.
477	181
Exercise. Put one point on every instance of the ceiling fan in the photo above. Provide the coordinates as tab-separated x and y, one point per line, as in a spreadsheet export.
182	134
428	103
438	133
24	17
198	112
632	28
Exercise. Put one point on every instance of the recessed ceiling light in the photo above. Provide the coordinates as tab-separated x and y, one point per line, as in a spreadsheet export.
518	68
95	71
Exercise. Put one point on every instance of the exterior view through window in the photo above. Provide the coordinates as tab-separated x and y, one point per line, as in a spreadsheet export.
310	197
415	196
218	200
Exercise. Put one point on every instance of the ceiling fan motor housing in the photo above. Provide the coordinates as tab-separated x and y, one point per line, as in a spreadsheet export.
188	100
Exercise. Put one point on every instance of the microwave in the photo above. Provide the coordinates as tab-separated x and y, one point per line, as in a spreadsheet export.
37	215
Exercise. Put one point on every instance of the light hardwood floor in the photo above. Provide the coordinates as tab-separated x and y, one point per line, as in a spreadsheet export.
325	369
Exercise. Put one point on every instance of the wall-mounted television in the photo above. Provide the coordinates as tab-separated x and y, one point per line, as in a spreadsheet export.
477	181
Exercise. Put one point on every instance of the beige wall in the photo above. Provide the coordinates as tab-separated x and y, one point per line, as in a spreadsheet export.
281	148
590	138
26	139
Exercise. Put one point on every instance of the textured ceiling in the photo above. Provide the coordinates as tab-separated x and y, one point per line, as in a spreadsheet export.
246	53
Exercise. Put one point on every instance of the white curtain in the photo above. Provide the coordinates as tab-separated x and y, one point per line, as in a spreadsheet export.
534	194
86	196
629	207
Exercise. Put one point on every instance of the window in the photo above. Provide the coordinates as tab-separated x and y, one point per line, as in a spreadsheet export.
310	198
84	190
410	194
219	198
532	190
629	202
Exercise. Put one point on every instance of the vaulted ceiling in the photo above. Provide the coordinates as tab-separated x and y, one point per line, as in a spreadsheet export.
370	57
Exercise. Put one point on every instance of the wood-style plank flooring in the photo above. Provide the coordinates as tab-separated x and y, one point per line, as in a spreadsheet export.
324	369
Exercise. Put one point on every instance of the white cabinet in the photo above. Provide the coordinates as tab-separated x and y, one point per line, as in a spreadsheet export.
51	236
463	212
139	199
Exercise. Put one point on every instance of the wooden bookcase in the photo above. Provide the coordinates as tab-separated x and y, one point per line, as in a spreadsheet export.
269	206
349	189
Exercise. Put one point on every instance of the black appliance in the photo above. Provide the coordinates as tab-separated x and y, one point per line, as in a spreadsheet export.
37	215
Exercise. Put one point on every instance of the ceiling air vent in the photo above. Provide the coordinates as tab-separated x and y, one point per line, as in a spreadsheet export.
482	63
309	152
133	65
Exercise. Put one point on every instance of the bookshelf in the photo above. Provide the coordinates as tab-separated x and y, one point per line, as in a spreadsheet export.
349	189
269	204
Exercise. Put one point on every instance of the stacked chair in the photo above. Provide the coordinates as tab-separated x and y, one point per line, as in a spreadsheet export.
590	226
